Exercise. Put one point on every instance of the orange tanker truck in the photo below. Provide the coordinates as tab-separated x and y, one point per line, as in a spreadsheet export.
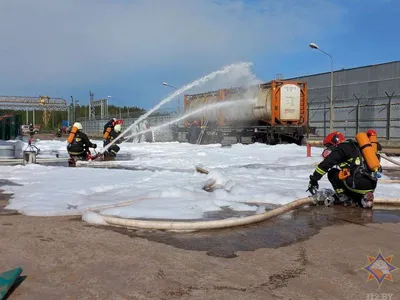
271	113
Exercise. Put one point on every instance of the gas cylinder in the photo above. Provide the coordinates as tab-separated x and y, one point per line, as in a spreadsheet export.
72	134
367	151
373	139
107	133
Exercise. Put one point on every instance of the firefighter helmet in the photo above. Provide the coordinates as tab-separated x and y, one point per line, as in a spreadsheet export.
117	128
78	125
370	132
334	139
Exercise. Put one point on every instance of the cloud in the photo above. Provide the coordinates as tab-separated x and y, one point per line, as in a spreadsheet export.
69	42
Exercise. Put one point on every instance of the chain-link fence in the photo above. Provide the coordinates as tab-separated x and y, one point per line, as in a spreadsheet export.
350	116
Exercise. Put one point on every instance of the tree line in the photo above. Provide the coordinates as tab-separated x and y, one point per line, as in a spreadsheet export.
55	118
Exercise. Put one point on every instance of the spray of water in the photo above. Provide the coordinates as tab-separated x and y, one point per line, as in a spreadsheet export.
193	112
178	92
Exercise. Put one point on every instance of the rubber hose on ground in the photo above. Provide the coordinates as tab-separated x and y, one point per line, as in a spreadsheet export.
199	225
384	156
217	224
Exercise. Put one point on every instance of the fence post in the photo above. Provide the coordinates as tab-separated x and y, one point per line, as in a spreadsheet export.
357	113
325	119
308	120
389	115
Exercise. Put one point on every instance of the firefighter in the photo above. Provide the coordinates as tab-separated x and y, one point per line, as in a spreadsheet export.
194	133
59	132
110	123
347	171
114	149
148	135
31	130
79	143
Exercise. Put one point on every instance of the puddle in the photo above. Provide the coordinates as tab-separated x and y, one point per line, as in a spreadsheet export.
283	230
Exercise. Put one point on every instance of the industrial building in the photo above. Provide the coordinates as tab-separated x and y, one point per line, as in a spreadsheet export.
363	97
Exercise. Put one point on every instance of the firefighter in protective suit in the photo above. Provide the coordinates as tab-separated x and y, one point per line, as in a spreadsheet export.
114	149
80	144
110	123
347	171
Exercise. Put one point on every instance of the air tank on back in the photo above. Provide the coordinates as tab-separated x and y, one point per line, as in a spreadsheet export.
273	102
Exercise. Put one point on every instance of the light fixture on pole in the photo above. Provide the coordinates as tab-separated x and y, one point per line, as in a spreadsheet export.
179	104
315	46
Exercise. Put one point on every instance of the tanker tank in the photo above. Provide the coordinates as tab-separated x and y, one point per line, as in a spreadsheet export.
249	105
232	110
273	112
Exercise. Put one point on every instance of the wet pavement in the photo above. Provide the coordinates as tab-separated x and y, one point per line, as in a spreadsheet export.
320	247
287	229
292	227
5	197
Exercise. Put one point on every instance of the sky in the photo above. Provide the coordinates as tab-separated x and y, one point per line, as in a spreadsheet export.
126	49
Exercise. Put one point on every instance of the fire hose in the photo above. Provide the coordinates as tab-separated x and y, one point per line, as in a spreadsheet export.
393	161
174	225
218	224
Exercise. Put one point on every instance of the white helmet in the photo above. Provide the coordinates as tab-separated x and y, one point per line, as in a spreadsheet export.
117	128
78	125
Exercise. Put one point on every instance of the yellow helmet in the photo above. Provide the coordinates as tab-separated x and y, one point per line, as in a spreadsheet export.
117	128
78	125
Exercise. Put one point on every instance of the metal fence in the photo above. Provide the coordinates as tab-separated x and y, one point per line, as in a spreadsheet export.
350	116
358	114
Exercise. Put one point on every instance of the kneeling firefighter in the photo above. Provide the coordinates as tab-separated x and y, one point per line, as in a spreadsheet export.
352	166
79	143
109	137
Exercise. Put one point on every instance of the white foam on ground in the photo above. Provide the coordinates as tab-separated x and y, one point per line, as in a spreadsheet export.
170	188
93	218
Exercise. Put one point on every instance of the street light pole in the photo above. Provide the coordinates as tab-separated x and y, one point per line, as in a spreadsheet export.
76	109
315	46
106	108
179	103
73	110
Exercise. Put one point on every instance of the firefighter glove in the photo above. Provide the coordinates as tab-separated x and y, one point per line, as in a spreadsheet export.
312	185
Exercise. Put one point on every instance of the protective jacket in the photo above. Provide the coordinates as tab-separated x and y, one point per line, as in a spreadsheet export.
80	144
347	156
112	136
114	148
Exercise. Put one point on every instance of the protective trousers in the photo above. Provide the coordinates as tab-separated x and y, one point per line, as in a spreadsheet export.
355	186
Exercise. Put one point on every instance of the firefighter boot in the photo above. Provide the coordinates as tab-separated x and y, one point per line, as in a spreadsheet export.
341	198
367	201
